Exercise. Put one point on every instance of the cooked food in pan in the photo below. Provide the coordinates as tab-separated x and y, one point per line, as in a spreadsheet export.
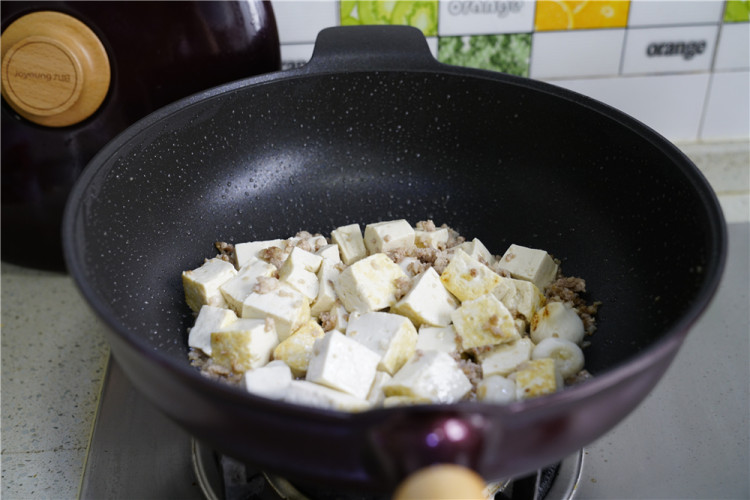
392	315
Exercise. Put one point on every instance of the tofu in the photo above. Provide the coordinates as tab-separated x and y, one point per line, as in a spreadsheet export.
432	376
245	252
537	378
431	239
370	284
339	316
496	389
529	264
467	278
427	302
350	242
302	259
376	396
484	321
437	338
476	249
391	336
410	266
303	392
342	363
330	253
503	359
244	344
383	236
237	289
296	350
202	284
519	296
286	306
327	275
393	401
210	318
557	319
270	381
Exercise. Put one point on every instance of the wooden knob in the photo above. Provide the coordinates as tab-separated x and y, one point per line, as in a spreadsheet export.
442	481
55	70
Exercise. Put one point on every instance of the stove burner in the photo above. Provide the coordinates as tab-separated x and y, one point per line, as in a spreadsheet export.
223	478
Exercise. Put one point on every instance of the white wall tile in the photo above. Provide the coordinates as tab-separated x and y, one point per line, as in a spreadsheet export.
481	17
669	50
728	106
299	21
576	53
670	104
733	51
674	12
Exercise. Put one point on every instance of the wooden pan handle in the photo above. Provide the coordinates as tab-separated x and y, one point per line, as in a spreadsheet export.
442	482
55	70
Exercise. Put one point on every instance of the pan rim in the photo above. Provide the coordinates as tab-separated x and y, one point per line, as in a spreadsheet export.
668	343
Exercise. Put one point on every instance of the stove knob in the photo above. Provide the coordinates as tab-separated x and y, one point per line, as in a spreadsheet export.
55	70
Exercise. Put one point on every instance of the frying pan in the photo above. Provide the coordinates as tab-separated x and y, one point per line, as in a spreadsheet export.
374	128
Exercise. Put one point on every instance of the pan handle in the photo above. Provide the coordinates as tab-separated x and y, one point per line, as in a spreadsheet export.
408	445
370	48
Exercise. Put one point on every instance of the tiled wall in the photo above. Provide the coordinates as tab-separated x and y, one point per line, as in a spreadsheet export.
680	66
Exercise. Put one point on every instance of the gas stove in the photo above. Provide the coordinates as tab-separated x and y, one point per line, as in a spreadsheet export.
688	439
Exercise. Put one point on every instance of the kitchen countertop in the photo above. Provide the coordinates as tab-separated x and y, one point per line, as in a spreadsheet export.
54	361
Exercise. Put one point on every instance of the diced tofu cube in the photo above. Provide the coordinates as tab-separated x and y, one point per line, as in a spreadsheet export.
519	296
315	395
393	401
210	318
338	318
431	239
537	378
557	319
529	264
326	298
270	381
477	250
391	336
303	281
437	338
430	375
496	389
342	363
330	253
350	242
484	321
244	252
503	359
296	349
303	259
370	284
388	235
376	395
467	278
427	302
243	344
236	289
201	285
286	306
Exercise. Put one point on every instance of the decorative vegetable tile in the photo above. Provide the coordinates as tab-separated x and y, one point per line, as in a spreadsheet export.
566	54
737	11
568	14
507	53
420	14
674	12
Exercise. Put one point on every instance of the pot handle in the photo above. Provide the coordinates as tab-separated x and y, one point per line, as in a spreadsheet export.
370	48
442	481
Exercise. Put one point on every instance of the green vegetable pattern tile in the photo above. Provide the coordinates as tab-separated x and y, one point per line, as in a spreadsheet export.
737	11
507	53
419	14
